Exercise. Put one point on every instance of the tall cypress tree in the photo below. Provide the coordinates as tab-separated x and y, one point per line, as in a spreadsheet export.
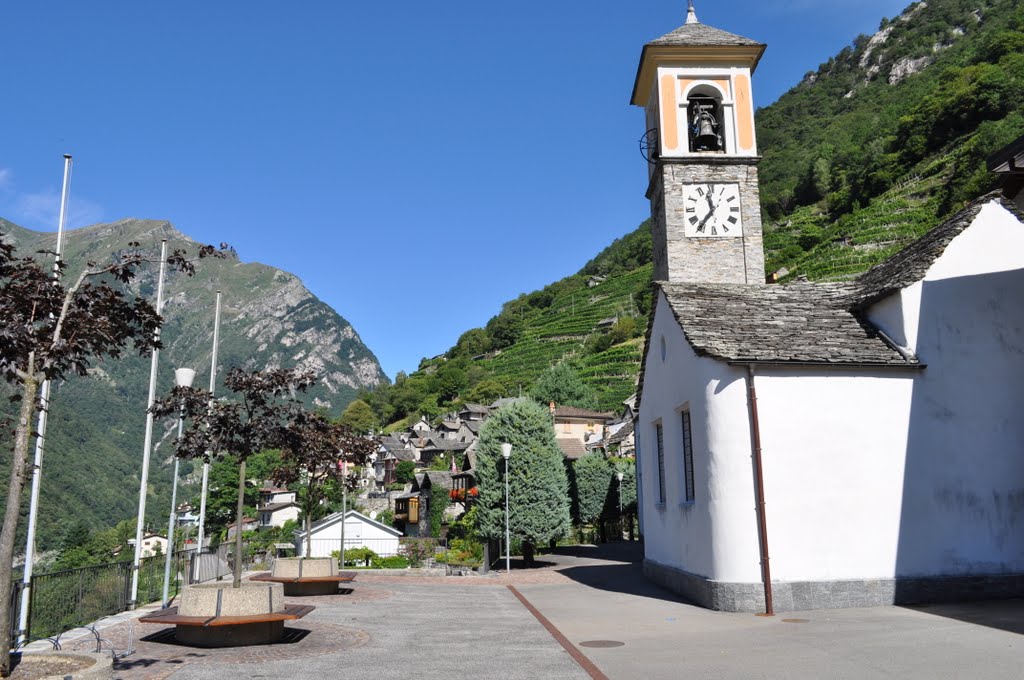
538	488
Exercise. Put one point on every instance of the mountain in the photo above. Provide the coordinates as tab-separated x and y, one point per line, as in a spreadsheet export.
889	136
97	423
864	155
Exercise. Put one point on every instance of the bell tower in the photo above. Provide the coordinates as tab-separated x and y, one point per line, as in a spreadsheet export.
694	85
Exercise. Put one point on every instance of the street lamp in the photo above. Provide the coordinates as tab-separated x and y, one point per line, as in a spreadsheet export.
506	453
183	377
618	476
343	475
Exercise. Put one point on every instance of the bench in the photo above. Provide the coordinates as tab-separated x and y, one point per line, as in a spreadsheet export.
232	629
307	585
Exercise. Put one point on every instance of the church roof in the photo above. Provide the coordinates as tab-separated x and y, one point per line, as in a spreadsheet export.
910	265
797	323
702	35
809	323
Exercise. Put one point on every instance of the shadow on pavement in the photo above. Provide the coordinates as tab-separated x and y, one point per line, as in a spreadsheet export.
615	567
1005	615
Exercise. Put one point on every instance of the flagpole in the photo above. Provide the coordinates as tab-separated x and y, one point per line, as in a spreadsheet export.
44	409
213	385
147	447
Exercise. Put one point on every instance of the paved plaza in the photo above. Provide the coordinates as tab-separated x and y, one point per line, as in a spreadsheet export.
588	613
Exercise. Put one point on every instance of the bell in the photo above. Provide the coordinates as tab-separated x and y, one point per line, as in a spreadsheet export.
705	136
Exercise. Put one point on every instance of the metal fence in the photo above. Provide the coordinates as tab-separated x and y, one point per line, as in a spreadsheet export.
375	552
63	600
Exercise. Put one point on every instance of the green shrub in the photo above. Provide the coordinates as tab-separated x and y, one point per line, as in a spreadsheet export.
417	551
356	555
392	562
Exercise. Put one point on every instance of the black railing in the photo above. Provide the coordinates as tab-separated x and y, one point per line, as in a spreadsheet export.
66	599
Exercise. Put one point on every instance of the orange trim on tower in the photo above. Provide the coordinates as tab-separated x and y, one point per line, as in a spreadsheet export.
744	114
669	114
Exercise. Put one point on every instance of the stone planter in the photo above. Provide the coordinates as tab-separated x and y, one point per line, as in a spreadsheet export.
81	665
307	568
252	600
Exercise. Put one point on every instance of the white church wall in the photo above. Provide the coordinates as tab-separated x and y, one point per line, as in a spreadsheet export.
833	447
963	502
676	533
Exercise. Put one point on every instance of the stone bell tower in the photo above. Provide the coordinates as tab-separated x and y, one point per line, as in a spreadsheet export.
694	84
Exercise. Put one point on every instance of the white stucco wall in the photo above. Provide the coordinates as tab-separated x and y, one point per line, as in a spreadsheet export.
833	446
677	533
869	473
963	500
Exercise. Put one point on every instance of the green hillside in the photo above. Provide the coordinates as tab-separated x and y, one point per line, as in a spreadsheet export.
97	422
867	153
889	136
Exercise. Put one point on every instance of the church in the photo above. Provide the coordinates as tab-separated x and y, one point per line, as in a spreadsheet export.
817	445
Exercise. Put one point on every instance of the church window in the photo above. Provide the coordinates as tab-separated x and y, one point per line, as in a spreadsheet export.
687	456
661	461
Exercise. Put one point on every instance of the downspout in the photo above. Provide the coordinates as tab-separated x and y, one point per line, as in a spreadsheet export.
762	523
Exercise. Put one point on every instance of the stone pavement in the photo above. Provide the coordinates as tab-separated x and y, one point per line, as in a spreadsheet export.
605	613
605	598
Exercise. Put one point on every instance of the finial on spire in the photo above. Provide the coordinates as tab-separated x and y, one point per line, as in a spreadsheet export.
691	14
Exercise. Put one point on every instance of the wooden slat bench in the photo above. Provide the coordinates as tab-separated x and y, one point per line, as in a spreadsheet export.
228	631
297	586
169	616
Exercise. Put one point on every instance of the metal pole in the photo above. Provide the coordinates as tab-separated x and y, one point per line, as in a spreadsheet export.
508	542
206	466
344	512
170	522
147	448
762	522
44	410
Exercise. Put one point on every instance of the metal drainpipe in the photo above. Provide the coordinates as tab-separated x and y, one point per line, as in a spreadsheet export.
762	523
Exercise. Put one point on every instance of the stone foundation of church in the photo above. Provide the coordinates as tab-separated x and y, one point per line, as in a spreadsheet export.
804	595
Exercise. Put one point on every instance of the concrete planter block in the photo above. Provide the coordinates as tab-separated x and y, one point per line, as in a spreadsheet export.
214	599
96	666
305	567
252	599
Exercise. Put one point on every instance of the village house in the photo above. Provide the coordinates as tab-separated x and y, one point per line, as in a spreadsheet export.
360	532
580	424
817	444
275	507
248	524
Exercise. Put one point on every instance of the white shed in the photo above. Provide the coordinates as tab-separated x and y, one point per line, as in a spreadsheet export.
360	532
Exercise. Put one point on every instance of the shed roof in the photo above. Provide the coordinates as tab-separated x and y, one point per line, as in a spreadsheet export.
571	448
336	517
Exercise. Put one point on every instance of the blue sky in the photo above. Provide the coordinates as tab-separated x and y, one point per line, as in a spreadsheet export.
343	141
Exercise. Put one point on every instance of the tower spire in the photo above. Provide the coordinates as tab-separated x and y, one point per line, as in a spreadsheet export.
691	14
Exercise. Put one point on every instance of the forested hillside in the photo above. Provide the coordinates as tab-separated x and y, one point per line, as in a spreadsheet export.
97	422
880	142
865	154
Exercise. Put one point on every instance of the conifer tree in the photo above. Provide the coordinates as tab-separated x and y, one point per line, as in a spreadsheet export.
593	476
562	385
538	487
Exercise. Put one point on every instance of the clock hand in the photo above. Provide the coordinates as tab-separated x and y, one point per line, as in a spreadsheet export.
700	226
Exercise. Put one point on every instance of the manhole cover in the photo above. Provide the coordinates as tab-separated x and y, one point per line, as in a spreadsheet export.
602	643
796	620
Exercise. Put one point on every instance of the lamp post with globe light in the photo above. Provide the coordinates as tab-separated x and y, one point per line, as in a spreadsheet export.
183	377
506	453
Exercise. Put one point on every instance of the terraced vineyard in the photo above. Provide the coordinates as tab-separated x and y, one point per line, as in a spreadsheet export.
859	241
560	333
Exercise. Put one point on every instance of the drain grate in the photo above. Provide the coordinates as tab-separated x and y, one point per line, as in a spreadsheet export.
796	620
602	644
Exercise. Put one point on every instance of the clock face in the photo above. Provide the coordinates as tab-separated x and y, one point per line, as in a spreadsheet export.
712	210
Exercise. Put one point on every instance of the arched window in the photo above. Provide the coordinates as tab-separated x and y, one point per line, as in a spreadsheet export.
706	123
